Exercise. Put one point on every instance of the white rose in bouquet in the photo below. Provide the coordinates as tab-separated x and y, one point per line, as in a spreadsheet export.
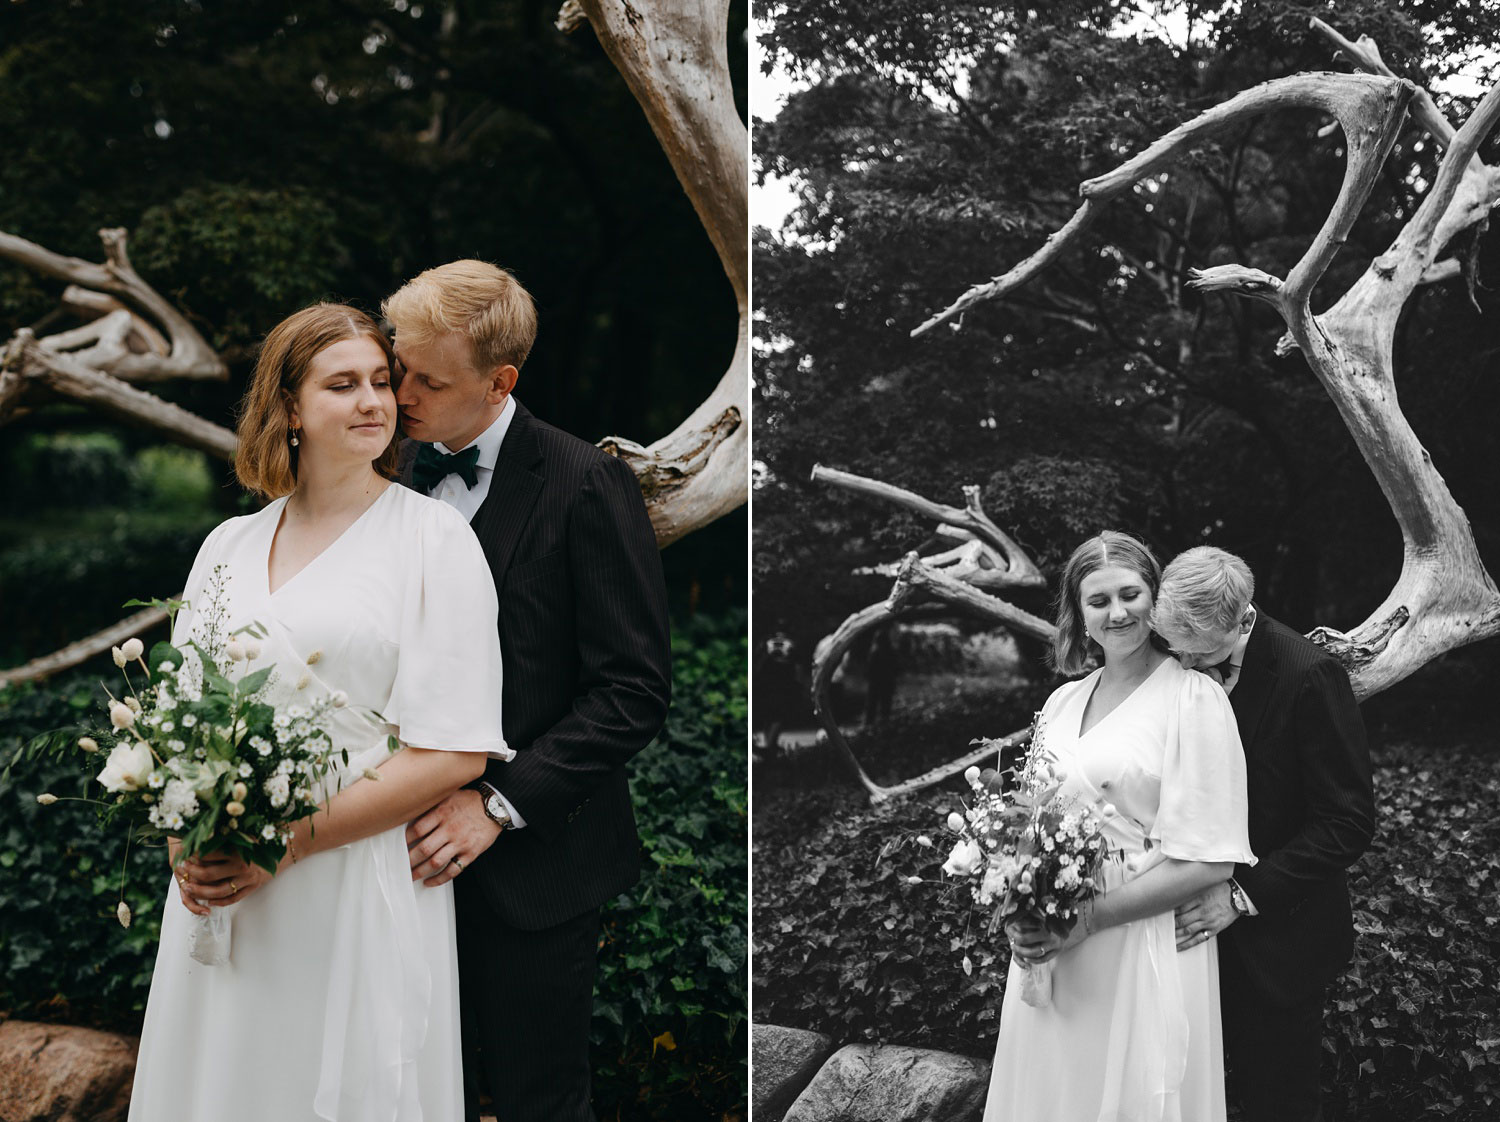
128	767
964	859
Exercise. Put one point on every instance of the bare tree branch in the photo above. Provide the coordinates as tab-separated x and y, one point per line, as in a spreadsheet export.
85	649
673	56
189	355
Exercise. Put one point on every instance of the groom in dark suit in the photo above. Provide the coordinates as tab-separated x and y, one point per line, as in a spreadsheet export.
543	841
1285	924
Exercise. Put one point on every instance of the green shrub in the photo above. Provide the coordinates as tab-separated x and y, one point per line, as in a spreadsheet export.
669	1027
63	956
675	958
843	946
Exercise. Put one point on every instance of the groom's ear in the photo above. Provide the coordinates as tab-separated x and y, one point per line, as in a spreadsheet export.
502	381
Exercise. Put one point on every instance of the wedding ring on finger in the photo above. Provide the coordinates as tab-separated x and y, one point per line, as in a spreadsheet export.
234	889
458	863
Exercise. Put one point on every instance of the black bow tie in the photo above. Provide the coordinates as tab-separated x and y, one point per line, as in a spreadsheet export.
432	466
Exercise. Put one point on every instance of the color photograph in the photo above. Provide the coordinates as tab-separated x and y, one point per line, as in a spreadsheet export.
373	560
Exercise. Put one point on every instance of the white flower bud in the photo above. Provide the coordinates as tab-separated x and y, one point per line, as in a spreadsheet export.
371	773
955	822
339	699
913	880
971	775
88	744
924	841
47	799
235	809
252	649
121	716
119	656
132	649
313	658
135	706
968	965
235	650
240	791
302	682
122	913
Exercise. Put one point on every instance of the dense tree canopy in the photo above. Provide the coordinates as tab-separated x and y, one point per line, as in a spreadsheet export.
933	149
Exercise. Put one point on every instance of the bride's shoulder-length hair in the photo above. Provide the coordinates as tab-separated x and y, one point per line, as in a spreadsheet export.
1072	649
266	461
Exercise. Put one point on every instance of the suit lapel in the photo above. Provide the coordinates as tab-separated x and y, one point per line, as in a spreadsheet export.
1258	677
514	488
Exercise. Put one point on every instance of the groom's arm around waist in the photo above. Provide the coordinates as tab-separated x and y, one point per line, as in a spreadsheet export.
1337	796
619	616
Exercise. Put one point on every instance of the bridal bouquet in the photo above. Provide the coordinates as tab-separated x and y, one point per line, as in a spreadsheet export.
195	750
1025	851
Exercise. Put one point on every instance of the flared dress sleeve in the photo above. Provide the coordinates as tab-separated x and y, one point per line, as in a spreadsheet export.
446	693
1204	811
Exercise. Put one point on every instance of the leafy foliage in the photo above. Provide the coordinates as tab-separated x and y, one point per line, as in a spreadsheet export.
669	1027
670	1009
843	946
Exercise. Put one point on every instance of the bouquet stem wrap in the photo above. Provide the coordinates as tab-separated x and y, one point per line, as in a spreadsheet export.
211	936
1036	984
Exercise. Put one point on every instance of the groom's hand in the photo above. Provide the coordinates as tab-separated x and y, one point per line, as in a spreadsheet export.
1204	916
457	828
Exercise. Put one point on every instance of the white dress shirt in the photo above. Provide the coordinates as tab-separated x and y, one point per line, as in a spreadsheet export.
467	500
453	490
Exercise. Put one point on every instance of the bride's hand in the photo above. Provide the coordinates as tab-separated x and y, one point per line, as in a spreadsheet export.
216	879
1031	943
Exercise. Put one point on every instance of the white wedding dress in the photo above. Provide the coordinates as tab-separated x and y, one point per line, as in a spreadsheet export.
340	999
1133	1031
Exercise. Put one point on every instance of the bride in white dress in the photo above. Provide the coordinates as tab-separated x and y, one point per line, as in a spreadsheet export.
340	999
1133	1031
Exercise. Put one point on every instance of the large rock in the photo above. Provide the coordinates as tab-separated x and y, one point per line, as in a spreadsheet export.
888	1083
784	1061
57	1073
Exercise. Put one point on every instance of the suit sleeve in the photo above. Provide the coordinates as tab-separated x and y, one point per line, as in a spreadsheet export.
624	655
1339	799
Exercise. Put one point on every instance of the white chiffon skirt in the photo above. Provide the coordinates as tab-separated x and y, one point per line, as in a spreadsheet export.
1132	1035
339	1002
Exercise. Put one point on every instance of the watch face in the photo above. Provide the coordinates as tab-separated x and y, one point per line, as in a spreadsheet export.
495	808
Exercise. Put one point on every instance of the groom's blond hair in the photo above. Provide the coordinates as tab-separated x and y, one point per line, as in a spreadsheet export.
480	301
1203	589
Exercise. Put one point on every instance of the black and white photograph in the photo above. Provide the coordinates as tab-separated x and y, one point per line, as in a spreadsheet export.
1124	521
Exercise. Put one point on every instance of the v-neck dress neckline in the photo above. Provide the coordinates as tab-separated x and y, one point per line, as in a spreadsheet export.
272	593
1124	701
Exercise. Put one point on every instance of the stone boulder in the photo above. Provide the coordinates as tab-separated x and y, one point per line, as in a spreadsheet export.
890	1083
784	1061
58	1073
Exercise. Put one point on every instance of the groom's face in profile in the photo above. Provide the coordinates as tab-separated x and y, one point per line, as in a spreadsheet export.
442	398
1198	650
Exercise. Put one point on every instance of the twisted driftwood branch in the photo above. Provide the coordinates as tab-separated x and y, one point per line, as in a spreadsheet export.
673	55
188	354
1444	597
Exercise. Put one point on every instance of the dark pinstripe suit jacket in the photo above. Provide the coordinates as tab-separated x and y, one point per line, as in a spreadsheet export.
1312	812
587	652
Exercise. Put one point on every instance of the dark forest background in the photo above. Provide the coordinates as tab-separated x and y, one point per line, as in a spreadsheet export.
932	150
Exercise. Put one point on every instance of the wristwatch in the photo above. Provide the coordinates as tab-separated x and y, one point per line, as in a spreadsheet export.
494	805
1238	900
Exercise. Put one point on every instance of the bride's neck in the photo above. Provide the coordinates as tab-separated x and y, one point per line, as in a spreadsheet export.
323	491
1135	667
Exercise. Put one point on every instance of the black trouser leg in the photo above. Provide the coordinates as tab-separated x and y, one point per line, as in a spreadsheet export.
526	998
1274	1052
